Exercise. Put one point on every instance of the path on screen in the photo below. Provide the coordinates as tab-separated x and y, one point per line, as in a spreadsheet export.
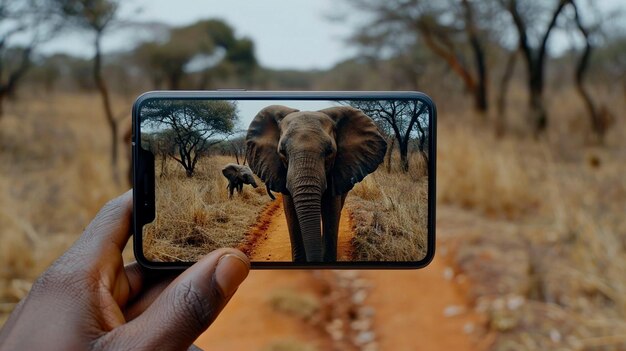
268	240
412	308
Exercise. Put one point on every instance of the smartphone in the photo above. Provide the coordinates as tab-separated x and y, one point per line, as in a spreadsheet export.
292	179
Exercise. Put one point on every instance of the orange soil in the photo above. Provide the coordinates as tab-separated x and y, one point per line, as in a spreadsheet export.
410	309
248	322
410	306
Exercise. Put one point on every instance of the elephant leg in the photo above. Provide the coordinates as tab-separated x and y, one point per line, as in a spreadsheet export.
239	188
331	214
231	189
295	235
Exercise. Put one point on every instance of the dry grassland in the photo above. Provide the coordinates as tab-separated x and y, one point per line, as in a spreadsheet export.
543	242
195	215
390	214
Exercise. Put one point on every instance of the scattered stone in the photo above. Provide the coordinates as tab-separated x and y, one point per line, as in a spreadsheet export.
372	346
453	310
448	273
361	324
335	329
359	296
364	337
469	328
514	302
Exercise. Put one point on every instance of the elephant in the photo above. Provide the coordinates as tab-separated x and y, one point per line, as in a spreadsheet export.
237	176
314	158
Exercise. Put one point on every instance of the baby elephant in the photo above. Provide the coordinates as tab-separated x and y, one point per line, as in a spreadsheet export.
237	176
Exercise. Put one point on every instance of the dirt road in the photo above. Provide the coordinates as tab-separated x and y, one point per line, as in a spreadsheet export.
413	310
269	239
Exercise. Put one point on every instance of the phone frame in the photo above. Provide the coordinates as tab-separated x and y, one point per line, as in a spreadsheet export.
144	201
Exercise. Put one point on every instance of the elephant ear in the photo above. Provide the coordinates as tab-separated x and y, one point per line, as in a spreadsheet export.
262	146
360	147
231	172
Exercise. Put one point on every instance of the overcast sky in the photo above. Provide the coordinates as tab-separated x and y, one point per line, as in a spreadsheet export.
287	33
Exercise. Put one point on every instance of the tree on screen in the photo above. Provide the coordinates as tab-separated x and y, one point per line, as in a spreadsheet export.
406	119
193	126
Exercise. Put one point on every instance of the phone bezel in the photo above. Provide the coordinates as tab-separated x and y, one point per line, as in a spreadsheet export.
147	198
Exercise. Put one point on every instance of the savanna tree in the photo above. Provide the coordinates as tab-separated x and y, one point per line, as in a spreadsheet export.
533	37
97	17
406	119
162	144
193	126
599	114
449	29
27	19
208	48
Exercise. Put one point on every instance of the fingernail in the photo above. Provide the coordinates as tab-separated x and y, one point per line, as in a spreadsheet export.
230	272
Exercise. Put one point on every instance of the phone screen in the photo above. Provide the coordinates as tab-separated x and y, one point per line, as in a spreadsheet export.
344	181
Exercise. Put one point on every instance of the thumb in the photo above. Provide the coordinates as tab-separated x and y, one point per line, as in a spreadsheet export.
188	305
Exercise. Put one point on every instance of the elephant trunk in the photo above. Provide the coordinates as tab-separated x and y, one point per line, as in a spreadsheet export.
306	182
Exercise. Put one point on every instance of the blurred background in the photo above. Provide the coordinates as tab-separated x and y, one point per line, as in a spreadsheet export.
531	97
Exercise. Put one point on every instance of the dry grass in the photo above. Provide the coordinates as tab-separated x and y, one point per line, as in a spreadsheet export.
545	249
54	178
542	226
390	214
195	215
295	303
476	171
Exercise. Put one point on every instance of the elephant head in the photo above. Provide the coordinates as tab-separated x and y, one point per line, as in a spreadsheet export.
306	154
239	174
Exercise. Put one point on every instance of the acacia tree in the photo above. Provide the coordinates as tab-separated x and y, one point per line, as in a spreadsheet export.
534	55
405	118
600	119
238	147
194	126
211	45
19	18
162	144
96	16
418	22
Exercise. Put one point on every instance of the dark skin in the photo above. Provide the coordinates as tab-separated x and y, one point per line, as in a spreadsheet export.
88	299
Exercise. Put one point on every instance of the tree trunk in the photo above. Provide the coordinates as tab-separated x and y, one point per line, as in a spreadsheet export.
535	59
597	124
163	165
537	107
2	98
500	127
108	113
390	153
480	89
404	155
7	90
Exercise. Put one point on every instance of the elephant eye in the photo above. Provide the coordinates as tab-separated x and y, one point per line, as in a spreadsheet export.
282	148
328	150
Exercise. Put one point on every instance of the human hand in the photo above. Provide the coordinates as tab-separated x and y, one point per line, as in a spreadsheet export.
88	299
